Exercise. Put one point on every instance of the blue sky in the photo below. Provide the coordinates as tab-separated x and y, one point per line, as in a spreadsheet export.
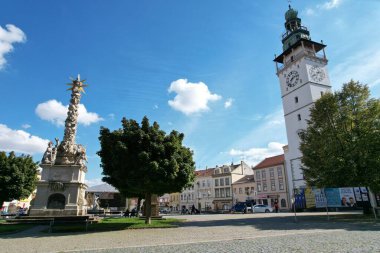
204	68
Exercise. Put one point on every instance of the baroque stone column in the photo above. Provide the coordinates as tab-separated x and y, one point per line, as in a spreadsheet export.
68	152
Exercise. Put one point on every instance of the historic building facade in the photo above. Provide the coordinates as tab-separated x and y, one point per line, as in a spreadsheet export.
271	183
224	177
244	189
204	188
302	72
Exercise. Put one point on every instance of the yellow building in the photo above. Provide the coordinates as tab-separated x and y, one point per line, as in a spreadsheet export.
174	202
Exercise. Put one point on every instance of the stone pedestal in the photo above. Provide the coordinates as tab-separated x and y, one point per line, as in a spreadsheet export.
61	191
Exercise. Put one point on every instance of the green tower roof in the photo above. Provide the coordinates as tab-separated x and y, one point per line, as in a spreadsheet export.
291	14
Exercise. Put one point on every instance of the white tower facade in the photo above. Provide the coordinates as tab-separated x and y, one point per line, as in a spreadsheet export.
302	72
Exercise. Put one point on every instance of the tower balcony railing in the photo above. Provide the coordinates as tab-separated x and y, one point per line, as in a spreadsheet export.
307	54
287	33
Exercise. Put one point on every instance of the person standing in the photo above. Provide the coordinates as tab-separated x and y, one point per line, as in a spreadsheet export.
276	207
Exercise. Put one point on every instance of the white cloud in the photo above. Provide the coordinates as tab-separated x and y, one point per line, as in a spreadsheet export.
94	181
255	155
228	103
363	66
11	34
330	4
56	113
191	97
310	12
155	107
26	126
21	141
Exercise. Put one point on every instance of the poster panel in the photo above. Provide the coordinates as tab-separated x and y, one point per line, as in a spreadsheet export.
320	200
347	197
357	193
333	197
309	198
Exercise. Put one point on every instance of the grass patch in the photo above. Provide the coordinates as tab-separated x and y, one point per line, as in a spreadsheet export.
112	224
11	228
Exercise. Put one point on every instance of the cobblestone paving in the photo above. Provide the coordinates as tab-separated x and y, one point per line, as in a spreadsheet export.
214	233
340	241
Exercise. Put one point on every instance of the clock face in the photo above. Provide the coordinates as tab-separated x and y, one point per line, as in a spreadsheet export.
292	78
317	73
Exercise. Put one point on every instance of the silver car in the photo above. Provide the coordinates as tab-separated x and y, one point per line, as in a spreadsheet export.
262	209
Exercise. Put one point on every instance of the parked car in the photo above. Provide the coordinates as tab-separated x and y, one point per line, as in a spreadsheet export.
240	207
262	209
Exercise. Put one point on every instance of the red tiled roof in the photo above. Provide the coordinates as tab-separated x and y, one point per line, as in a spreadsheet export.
270	161
204	173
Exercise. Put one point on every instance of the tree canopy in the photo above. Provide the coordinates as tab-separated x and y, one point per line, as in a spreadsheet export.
144	160
341	143
18	176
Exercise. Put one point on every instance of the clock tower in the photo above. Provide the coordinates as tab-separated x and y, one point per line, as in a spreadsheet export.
302	72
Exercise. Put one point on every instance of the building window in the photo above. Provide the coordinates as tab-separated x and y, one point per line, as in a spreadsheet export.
227	181
222	195
258	187
216	193
265	188
296	100
263	174
181	197
216	182
321	93
283	203
235	190
240	190
299	117
228	192
279	171
281	184
208	183
272	185
292	58
203	183
226	170
258	175
221	182
271	172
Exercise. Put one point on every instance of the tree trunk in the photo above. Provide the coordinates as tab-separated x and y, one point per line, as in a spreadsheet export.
148	208
138	205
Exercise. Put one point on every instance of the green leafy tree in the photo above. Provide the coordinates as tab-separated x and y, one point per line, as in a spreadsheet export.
341	144
144	160
18	176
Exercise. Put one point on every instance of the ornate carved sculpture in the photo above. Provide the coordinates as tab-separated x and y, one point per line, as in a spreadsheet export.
48	155
57	186
67	150
95	204
80	155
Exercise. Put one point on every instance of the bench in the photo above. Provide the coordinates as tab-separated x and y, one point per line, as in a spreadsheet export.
59	220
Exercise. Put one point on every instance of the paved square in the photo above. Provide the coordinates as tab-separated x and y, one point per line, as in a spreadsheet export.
215	233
